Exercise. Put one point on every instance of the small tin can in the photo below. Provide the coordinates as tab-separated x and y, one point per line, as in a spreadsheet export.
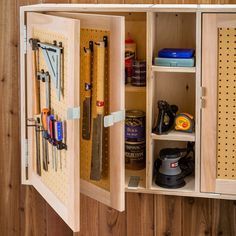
139	73
135	155
135	126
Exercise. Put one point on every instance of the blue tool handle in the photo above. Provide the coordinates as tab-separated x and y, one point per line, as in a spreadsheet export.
59	131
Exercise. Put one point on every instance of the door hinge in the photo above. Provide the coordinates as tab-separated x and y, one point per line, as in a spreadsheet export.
202	91
202	97
26	153
25	39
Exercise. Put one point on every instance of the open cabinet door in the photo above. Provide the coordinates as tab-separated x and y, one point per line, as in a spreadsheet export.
218	156
108	184
54	159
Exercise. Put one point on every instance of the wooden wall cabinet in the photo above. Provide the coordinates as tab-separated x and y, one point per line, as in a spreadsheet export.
201	90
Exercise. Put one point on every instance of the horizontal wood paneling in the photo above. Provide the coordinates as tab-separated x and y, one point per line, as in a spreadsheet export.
24	212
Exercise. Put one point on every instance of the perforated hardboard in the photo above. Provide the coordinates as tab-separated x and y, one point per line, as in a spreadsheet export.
87	35
226	149
56	181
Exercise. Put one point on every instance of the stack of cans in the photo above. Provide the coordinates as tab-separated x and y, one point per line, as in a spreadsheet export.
139	73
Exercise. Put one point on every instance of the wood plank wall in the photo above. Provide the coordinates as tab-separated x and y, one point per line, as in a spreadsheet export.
24	212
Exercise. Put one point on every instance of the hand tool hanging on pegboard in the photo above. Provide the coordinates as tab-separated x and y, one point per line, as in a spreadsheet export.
36	85
98	121
53	57
87	106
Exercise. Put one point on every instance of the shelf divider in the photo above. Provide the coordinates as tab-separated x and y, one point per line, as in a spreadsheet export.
175	136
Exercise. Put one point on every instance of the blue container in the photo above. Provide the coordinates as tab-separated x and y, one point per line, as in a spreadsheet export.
176	53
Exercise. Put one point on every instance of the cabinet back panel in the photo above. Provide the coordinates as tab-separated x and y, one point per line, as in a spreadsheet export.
177	30
175	88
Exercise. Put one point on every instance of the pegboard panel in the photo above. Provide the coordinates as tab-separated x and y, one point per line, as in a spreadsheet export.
226	151
56	181
86	145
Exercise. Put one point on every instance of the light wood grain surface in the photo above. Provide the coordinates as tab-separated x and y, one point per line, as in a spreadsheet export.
24	212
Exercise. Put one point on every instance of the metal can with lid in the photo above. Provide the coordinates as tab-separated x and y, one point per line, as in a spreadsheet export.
135	155
135	126
135	143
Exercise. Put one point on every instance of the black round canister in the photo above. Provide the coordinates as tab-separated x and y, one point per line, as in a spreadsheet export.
135	142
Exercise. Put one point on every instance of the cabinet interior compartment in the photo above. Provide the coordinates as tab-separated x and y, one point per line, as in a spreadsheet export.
176	85
173	30
189	180
135	96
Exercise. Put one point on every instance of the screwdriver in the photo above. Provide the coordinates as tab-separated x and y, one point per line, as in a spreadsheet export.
44	114
59	138
51	132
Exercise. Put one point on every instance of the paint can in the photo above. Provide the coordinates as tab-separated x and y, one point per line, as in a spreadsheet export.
135	143
135	155
139	73
135	126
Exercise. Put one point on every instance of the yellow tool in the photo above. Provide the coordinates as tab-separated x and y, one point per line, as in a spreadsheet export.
184	122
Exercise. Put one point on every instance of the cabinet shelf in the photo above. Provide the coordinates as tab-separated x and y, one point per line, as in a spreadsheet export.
134	89
174	69
189	186
175	136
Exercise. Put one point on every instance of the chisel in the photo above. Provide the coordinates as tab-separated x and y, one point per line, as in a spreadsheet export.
86	120
98	124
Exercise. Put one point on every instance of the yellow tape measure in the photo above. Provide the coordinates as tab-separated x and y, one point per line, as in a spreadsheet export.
184	122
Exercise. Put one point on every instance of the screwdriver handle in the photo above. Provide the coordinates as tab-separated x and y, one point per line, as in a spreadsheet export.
58	131
44	115
51	128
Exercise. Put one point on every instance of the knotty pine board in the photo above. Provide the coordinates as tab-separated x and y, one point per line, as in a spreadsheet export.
24	212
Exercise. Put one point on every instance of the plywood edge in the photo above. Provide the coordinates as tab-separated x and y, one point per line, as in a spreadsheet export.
132	7
90	7
74	177
117	102
198	102
209	116
95	192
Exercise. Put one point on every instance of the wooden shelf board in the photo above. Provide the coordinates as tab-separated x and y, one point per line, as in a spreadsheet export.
175	136
134	89
142	183
174	69
189	186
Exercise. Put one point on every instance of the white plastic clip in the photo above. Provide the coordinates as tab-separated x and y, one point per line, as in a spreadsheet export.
73	113
115	117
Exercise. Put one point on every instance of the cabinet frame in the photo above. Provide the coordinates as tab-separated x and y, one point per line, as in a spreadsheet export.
150	10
